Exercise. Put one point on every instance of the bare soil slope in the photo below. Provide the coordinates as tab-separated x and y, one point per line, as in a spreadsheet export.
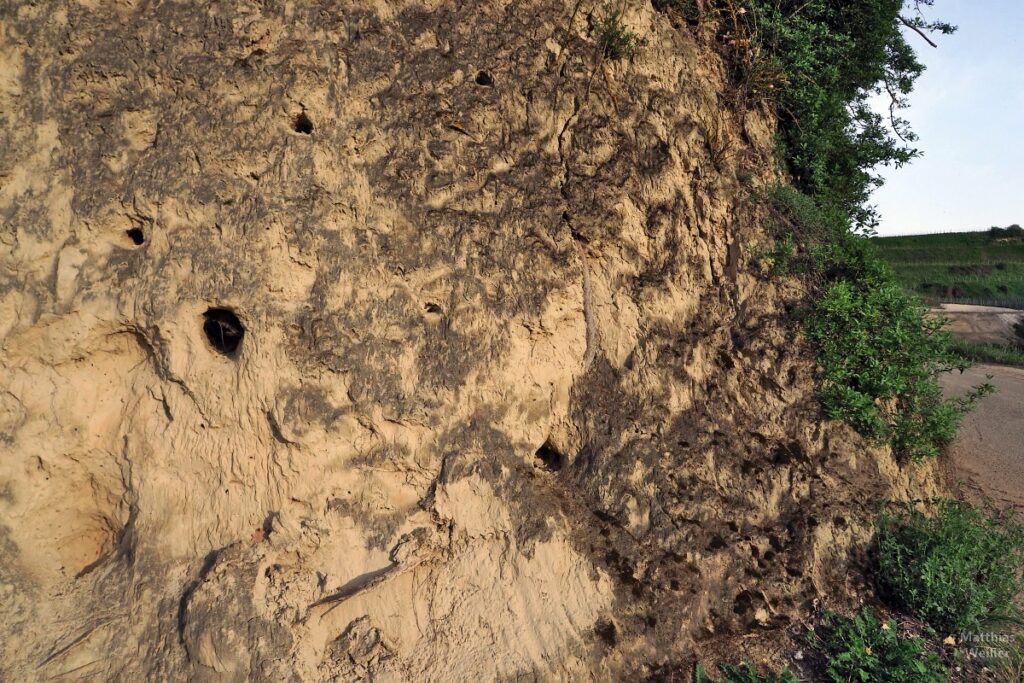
984	324
395	340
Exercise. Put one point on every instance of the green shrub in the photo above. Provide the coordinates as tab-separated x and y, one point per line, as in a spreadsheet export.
832	59
955	569
821	62
781	257
879	354
864	649
613	38
745	673
879	357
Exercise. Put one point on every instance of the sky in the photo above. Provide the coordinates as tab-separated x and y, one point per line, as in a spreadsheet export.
968	109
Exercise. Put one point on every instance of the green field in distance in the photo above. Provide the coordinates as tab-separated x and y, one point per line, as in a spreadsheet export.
959	265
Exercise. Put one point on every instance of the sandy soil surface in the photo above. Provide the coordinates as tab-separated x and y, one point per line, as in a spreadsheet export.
383	341
988	455
981	323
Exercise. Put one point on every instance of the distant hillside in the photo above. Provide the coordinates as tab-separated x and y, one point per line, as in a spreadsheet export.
960	266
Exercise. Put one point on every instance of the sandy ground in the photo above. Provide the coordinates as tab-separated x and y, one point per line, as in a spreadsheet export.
981	323
988	455
437	257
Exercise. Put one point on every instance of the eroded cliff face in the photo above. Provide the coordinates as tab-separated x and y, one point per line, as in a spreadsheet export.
512	399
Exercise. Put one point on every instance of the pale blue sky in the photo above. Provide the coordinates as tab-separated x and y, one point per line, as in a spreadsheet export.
968	109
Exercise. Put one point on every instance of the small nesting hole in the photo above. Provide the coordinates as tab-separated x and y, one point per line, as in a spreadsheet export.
606	631
302	124
485	79
548	459
223	330
743	602
717	543
433	309
136	236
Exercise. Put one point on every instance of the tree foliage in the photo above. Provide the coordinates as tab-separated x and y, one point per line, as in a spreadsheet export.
834	58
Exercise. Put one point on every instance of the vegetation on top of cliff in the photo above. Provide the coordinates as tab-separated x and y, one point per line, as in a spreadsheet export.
878	351
819	64
879	354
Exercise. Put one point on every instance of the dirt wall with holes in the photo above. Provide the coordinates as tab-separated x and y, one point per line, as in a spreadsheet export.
396	340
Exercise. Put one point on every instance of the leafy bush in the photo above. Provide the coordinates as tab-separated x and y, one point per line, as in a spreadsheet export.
613	38
880	356
834	57
781	257
955	569
878	353
821	62
746	673
864	649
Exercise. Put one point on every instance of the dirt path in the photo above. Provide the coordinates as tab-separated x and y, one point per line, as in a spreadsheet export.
988	455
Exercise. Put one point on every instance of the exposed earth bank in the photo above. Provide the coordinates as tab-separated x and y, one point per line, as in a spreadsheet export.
402	341
983	324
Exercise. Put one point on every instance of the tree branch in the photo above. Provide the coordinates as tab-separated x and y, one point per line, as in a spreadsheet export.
893	101
917	30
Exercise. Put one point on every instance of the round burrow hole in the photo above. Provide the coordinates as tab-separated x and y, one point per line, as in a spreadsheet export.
302	124
547	458
223	330
606	631
136	236
485	79
743	602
